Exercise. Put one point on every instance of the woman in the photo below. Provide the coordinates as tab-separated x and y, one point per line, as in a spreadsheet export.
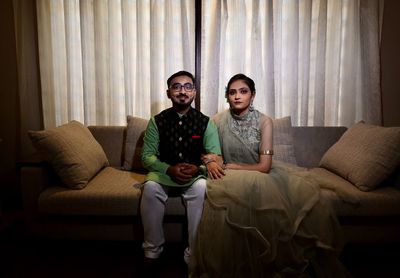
260	220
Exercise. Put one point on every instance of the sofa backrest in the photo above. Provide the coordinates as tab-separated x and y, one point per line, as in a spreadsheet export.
112	139
310	143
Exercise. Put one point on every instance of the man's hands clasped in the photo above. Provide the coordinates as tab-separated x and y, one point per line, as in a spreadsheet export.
182	172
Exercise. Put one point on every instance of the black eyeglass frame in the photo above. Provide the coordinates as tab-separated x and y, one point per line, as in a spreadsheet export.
177	87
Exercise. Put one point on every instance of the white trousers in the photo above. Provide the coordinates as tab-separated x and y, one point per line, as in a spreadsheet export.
152	209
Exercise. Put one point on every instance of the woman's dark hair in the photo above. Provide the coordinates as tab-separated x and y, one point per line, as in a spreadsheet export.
240	76
180	73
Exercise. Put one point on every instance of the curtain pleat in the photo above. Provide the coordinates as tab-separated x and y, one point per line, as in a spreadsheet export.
370	32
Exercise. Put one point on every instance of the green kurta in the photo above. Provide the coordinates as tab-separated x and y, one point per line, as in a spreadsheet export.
157	168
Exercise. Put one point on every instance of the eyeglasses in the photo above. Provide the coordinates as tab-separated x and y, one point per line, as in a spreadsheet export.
177	87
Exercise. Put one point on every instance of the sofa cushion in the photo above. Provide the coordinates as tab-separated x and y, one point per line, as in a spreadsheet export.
283	140
110	192
72	151
365	155
348	200
134	143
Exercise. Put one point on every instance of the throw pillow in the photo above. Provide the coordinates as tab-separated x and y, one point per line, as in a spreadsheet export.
72	151
365	155
283	140
134	143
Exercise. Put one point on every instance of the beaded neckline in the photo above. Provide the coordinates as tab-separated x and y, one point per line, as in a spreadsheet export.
246	126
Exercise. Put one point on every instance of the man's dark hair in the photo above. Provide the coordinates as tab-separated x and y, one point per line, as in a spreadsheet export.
180	73
240	76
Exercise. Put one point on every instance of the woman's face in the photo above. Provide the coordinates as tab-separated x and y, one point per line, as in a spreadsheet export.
239	97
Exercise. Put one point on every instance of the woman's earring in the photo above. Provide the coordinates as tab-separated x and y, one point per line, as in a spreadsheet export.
251	107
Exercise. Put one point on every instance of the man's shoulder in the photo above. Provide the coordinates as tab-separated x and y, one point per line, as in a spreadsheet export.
166	113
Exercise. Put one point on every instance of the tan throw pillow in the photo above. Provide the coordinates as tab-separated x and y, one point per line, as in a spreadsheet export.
283	140
72	151
134	143
365	155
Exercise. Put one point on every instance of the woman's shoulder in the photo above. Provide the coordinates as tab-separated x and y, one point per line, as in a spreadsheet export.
219	116
264	119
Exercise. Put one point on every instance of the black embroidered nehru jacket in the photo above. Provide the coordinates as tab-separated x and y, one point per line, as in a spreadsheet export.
181	138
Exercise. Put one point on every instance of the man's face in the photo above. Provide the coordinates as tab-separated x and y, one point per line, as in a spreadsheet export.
181	91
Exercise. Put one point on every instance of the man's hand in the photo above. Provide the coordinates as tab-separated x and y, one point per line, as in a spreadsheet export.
182	172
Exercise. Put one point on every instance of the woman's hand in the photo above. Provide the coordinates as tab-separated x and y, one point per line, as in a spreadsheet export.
214	164
214	170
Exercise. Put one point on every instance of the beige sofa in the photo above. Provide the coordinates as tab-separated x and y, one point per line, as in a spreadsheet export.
107	207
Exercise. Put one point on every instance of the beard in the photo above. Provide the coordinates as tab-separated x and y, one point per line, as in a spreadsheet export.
182	101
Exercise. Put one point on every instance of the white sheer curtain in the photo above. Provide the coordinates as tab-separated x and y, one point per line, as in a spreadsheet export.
101	60
315	60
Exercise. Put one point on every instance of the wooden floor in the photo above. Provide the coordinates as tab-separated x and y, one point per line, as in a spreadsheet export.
22	256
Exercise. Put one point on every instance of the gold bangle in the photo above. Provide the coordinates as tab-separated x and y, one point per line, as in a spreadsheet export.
267	152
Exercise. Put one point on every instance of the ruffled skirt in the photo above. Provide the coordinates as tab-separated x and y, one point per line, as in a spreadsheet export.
267	225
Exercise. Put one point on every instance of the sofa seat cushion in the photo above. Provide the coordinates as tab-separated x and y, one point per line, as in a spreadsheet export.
383	201
110	192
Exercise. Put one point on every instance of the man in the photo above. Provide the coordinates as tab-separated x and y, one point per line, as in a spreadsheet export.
174	141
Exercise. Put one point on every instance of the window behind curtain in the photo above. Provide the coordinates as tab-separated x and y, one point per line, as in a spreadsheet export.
101	60
314	60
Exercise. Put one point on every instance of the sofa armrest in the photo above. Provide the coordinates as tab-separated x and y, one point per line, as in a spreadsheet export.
34	179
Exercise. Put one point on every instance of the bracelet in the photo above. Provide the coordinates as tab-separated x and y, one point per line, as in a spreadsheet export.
208	161
267	152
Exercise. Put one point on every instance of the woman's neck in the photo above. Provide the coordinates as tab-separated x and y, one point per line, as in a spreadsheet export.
240	113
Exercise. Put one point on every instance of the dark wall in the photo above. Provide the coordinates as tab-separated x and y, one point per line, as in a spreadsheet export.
390	63
9	112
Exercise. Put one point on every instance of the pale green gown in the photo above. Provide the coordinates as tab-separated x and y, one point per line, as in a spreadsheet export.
263	225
